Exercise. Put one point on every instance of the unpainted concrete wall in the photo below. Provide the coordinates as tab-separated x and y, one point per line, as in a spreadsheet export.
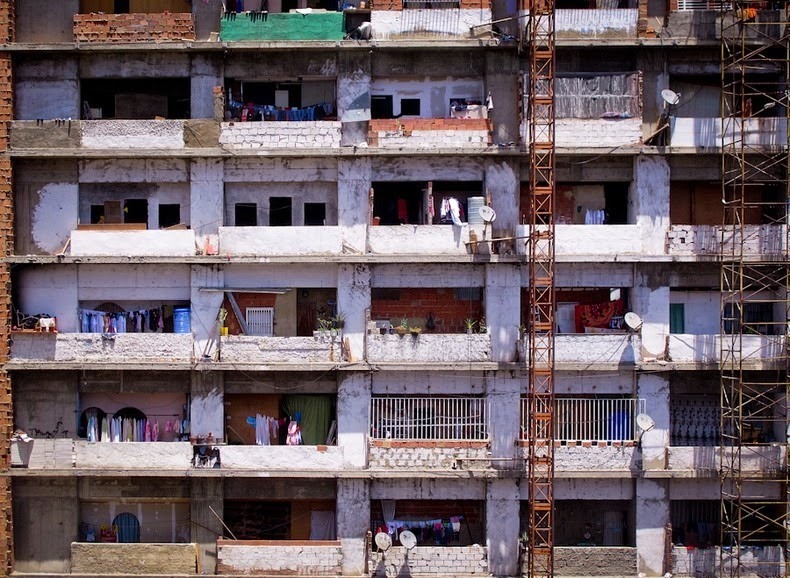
284	558
165	559
36	80
586	561
56	27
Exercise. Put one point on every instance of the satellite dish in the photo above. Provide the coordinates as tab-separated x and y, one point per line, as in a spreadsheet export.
633	321
408	539
487	214
645	422
383	541
670	97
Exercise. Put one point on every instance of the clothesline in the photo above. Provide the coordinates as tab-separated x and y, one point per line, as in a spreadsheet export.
308	113
120	429
139	321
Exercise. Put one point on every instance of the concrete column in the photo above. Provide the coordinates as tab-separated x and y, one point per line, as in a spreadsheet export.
208	14
655	390
206	73
353	403
502	526
353	96
650	300
353	301
503	182
353	189
655	78
652	516
205	306
353	523
207	411
207	197
649	206
503	394
502	307
502	72
206	493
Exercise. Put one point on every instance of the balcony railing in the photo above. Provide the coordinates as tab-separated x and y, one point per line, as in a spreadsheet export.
686	5
600	420
429	418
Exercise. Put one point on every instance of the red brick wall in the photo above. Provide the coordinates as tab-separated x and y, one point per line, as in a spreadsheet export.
448	312
245	300
133	27
7	21
398	4
6	244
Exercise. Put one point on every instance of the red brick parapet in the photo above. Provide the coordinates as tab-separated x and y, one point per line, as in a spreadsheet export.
155	27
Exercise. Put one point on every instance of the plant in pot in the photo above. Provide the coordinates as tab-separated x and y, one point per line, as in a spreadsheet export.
470	325
403	327
415	330
338	321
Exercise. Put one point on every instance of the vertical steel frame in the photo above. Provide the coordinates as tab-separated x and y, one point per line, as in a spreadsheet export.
755	72
542	300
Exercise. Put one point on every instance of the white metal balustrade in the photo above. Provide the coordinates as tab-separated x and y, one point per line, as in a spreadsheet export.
578	419
687	5
429	418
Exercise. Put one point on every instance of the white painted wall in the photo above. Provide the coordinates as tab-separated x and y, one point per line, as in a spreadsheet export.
353	409
353	190
502	526
142	243
50	290
281	276
353	301
702	310
649	206
54	215
707	132
204	308
396	24
590	489
156	194
502	305
434	92
601	23
652	513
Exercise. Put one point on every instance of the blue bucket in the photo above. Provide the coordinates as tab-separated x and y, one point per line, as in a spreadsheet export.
181	320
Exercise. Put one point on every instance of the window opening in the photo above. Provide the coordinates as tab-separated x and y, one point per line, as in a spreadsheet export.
410	107
315	214
260	321
128	528
246	215
381	106
97	214
280	213
135	211
169	215
677	318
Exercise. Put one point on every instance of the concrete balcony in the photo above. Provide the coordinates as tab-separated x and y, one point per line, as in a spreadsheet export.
594	561
293	26
430	23
604	240
135	27
592	349
246	349
619	457
432	560
706	240
159	243
132	134
606	23
320	134
427	348
284	458
430	133
757	350
597	132
133	455
43	454
279	557
707	459
88	558
428	455
763	132
116	349
276	241
423	239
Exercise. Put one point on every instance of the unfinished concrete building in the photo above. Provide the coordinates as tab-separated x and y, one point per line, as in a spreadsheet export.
234	227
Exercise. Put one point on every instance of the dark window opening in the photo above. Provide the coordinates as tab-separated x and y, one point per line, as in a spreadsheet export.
616	198
169	215
410	107
97	214
135	211
401	203
136	98
754	319
591	522
462	522
677	318
280	213
121	6
245	215
315	214
254	520
381	106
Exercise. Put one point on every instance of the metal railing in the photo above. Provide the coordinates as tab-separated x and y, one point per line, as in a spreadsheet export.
429	418
430	4
578	419
687	5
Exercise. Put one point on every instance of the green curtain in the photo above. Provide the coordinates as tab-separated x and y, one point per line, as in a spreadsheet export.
316	415
677	318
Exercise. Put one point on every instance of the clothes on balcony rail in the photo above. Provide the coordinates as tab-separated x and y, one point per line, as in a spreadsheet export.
128	429
267	430
140	321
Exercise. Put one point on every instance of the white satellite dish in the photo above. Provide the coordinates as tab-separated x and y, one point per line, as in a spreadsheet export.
408	539
645	422
670	97
487	214
383	541
633	321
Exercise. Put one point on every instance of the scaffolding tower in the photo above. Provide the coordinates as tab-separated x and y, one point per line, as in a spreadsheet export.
540	45
755	287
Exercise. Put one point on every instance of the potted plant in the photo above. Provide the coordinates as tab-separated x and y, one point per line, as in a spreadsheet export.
339	321
470	325
415	330
221	316
403	327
